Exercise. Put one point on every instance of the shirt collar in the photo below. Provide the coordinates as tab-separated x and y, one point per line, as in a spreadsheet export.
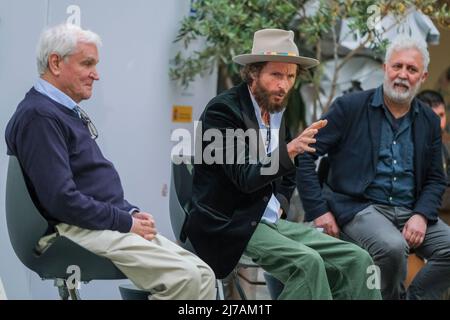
377	99
46	88
275	118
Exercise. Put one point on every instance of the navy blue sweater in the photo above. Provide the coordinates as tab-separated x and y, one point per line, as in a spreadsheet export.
64	167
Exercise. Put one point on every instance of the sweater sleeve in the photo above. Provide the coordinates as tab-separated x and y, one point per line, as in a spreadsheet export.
44	156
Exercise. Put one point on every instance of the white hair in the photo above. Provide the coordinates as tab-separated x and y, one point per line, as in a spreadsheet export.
403	42
62	40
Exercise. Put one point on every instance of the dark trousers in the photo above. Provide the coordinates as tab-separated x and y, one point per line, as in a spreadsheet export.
378	230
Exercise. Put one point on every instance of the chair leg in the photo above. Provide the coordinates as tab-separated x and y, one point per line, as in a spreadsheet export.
62	289
64	292
237	283
220	293
74	294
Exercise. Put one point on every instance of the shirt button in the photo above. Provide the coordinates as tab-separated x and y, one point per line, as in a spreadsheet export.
265	199
395	178
390	198
395	161
253	223
395	142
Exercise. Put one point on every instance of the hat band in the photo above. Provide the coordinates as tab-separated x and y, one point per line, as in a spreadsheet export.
275	53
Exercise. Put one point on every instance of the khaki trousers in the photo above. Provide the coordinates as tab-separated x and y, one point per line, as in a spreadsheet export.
160	266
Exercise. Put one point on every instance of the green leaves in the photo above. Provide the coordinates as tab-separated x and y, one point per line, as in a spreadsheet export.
227	27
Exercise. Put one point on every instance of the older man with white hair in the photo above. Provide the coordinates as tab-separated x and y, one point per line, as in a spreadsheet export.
385	181
78	190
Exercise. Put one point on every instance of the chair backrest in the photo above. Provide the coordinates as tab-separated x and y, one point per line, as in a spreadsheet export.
180	199
2	291
25	224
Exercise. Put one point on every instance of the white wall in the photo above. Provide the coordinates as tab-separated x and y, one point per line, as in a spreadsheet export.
131	106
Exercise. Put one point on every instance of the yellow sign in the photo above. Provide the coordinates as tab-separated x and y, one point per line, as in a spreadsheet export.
182	114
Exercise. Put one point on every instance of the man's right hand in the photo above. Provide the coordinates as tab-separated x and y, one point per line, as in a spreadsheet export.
144	225
328	223
302	142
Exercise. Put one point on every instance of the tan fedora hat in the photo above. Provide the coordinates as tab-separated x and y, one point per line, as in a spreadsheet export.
275	45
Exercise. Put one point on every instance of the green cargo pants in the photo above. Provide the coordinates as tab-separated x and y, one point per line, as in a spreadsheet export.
311	264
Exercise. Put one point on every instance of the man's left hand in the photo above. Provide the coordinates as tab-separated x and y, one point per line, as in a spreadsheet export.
414	230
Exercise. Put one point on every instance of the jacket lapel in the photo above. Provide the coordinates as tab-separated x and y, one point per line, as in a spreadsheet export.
248	112
282	138
418	138
374	120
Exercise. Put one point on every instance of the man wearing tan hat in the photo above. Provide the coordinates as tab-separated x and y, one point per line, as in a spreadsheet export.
239	203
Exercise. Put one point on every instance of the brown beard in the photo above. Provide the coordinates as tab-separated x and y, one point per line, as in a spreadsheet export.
262	96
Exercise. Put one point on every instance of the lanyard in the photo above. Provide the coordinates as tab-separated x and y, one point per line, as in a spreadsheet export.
266	117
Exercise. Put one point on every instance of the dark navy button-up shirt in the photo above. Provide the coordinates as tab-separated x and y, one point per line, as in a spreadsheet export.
394	182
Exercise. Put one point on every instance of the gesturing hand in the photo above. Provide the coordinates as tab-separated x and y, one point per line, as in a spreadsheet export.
301	143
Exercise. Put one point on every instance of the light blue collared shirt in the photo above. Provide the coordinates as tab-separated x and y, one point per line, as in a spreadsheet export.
273	207
54	93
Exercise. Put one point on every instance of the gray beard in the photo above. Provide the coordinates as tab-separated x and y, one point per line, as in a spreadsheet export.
396	96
